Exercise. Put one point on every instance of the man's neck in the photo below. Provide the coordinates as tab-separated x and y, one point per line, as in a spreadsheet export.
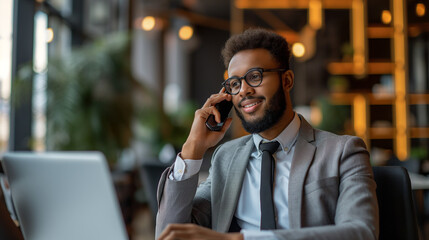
275	130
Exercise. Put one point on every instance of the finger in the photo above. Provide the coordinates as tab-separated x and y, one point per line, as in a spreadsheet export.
167	231
222	90
175	226
177	235
177	231
227	124
164	233
216	114
215	98
206	112
191	232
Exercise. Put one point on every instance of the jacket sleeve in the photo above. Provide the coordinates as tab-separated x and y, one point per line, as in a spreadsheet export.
180	202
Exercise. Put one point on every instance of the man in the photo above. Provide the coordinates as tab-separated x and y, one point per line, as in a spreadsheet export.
323	186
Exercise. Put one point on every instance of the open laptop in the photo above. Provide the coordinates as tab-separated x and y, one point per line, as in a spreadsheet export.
64	196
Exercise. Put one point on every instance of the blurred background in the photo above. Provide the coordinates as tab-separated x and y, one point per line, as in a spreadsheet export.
124	77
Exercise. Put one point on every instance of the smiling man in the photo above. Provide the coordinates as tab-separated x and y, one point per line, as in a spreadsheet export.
285	180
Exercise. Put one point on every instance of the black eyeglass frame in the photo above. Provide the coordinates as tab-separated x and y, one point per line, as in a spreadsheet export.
260	70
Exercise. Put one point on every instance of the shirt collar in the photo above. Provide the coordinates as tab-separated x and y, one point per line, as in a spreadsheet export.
286	138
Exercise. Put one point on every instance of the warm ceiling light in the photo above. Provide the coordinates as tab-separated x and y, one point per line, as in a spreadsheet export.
186	32
420	9
148	23
386	16
49	35
298	49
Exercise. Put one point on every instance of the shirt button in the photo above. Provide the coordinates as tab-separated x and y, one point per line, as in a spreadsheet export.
180	171
286	149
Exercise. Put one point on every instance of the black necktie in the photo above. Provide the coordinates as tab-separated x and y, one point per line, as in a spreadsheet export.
268	220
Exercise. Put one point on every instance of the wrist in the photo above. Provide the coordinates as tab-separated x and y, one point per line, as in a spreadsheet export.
191	151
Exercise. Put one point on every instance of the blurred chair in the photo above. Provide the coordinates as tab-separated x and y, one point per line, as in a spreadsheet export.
411	164
396	206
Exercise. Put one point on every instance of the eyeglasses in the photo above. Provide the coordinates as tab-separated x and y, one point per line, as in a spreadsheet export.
253	78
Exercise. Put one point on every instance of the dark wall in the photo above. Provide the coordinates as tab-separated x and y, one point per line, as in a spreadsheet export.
206	63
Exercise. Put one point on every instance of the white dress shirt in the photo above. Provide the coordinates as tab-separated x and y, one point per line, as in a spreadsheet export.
249	221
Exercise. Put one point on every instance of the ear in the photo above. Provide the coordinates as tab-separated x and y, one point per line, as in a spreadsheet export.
288	80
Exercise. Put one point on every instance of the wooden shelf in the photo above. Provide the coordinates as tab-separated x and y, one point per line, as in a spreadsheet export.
389	132
381	99
377	99
290	4
419	132
382	133
419	98
342	98
374	32
386	32
398	99
373	99
415	29
348	68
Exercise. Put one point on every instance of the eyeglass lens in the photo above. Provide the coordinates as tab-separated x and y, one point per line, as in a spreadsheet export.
253	78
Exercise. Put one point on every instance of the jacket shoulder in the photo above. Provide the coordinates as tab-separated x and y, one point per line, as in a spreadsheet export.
324	137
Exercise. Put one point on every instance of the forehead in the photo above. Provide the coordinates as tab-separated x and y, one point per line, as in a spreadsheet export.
244	60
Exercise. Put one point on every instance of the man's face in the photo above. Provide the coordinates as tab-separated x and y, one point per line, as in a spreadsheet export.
259	108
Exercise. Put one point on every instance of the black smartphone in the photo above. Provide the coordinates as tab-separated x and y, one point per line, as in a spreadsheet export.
224	108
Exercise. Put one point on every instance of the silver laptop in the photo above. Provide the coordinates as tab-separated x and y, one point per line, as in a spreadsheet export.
64	196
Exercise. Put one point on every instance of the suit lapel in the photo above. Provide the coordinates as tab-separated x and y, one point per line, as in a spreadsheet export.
233	185
302	159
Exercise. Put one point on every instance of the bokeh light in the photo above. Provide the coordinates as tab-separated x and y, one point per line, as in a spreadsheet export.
386	17
148	23
298	49
186	32
420	9
49	35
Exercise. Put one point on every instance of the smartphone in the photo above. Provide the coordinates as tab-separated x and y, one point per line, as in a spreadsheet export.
224	108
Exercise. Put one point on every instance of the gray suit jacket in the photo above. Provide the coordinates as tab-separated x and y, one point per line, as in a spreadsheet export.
331	189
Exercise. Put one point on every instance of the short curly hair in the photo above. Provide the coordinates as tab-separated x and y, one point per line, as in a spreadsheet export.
258	38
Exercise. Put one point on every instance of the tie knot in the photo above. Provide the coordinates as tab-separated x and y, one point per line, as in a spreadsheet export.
271	147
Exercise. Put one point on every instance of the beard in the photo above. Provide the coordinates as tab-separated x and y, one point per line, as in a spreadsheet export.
274	111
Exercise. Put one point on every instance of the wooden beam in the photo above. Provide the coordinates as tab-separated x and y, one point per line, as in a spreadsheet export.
290	4
347	68
203	20
272	20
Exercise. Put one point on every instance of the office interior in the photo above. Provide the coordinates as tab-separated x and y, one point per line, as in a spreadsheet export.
124	77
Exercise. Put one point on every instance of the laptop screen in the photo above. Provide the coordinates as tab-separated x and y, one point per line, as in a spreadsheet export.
64	195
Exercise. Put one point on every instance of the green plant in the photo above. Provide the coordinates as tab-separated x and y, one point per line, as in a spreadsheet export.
94	103
90	97
158	128
334	117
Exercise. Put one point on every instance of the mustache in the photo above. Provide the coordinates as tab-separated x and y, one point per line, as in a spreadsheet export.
249	98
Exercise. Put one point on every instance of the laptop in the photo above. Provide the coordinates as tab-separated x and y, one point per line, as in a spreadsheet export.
64	196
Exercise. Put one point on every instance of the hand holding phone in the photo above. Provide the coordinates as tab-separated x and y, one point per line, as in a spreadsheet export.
224	108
